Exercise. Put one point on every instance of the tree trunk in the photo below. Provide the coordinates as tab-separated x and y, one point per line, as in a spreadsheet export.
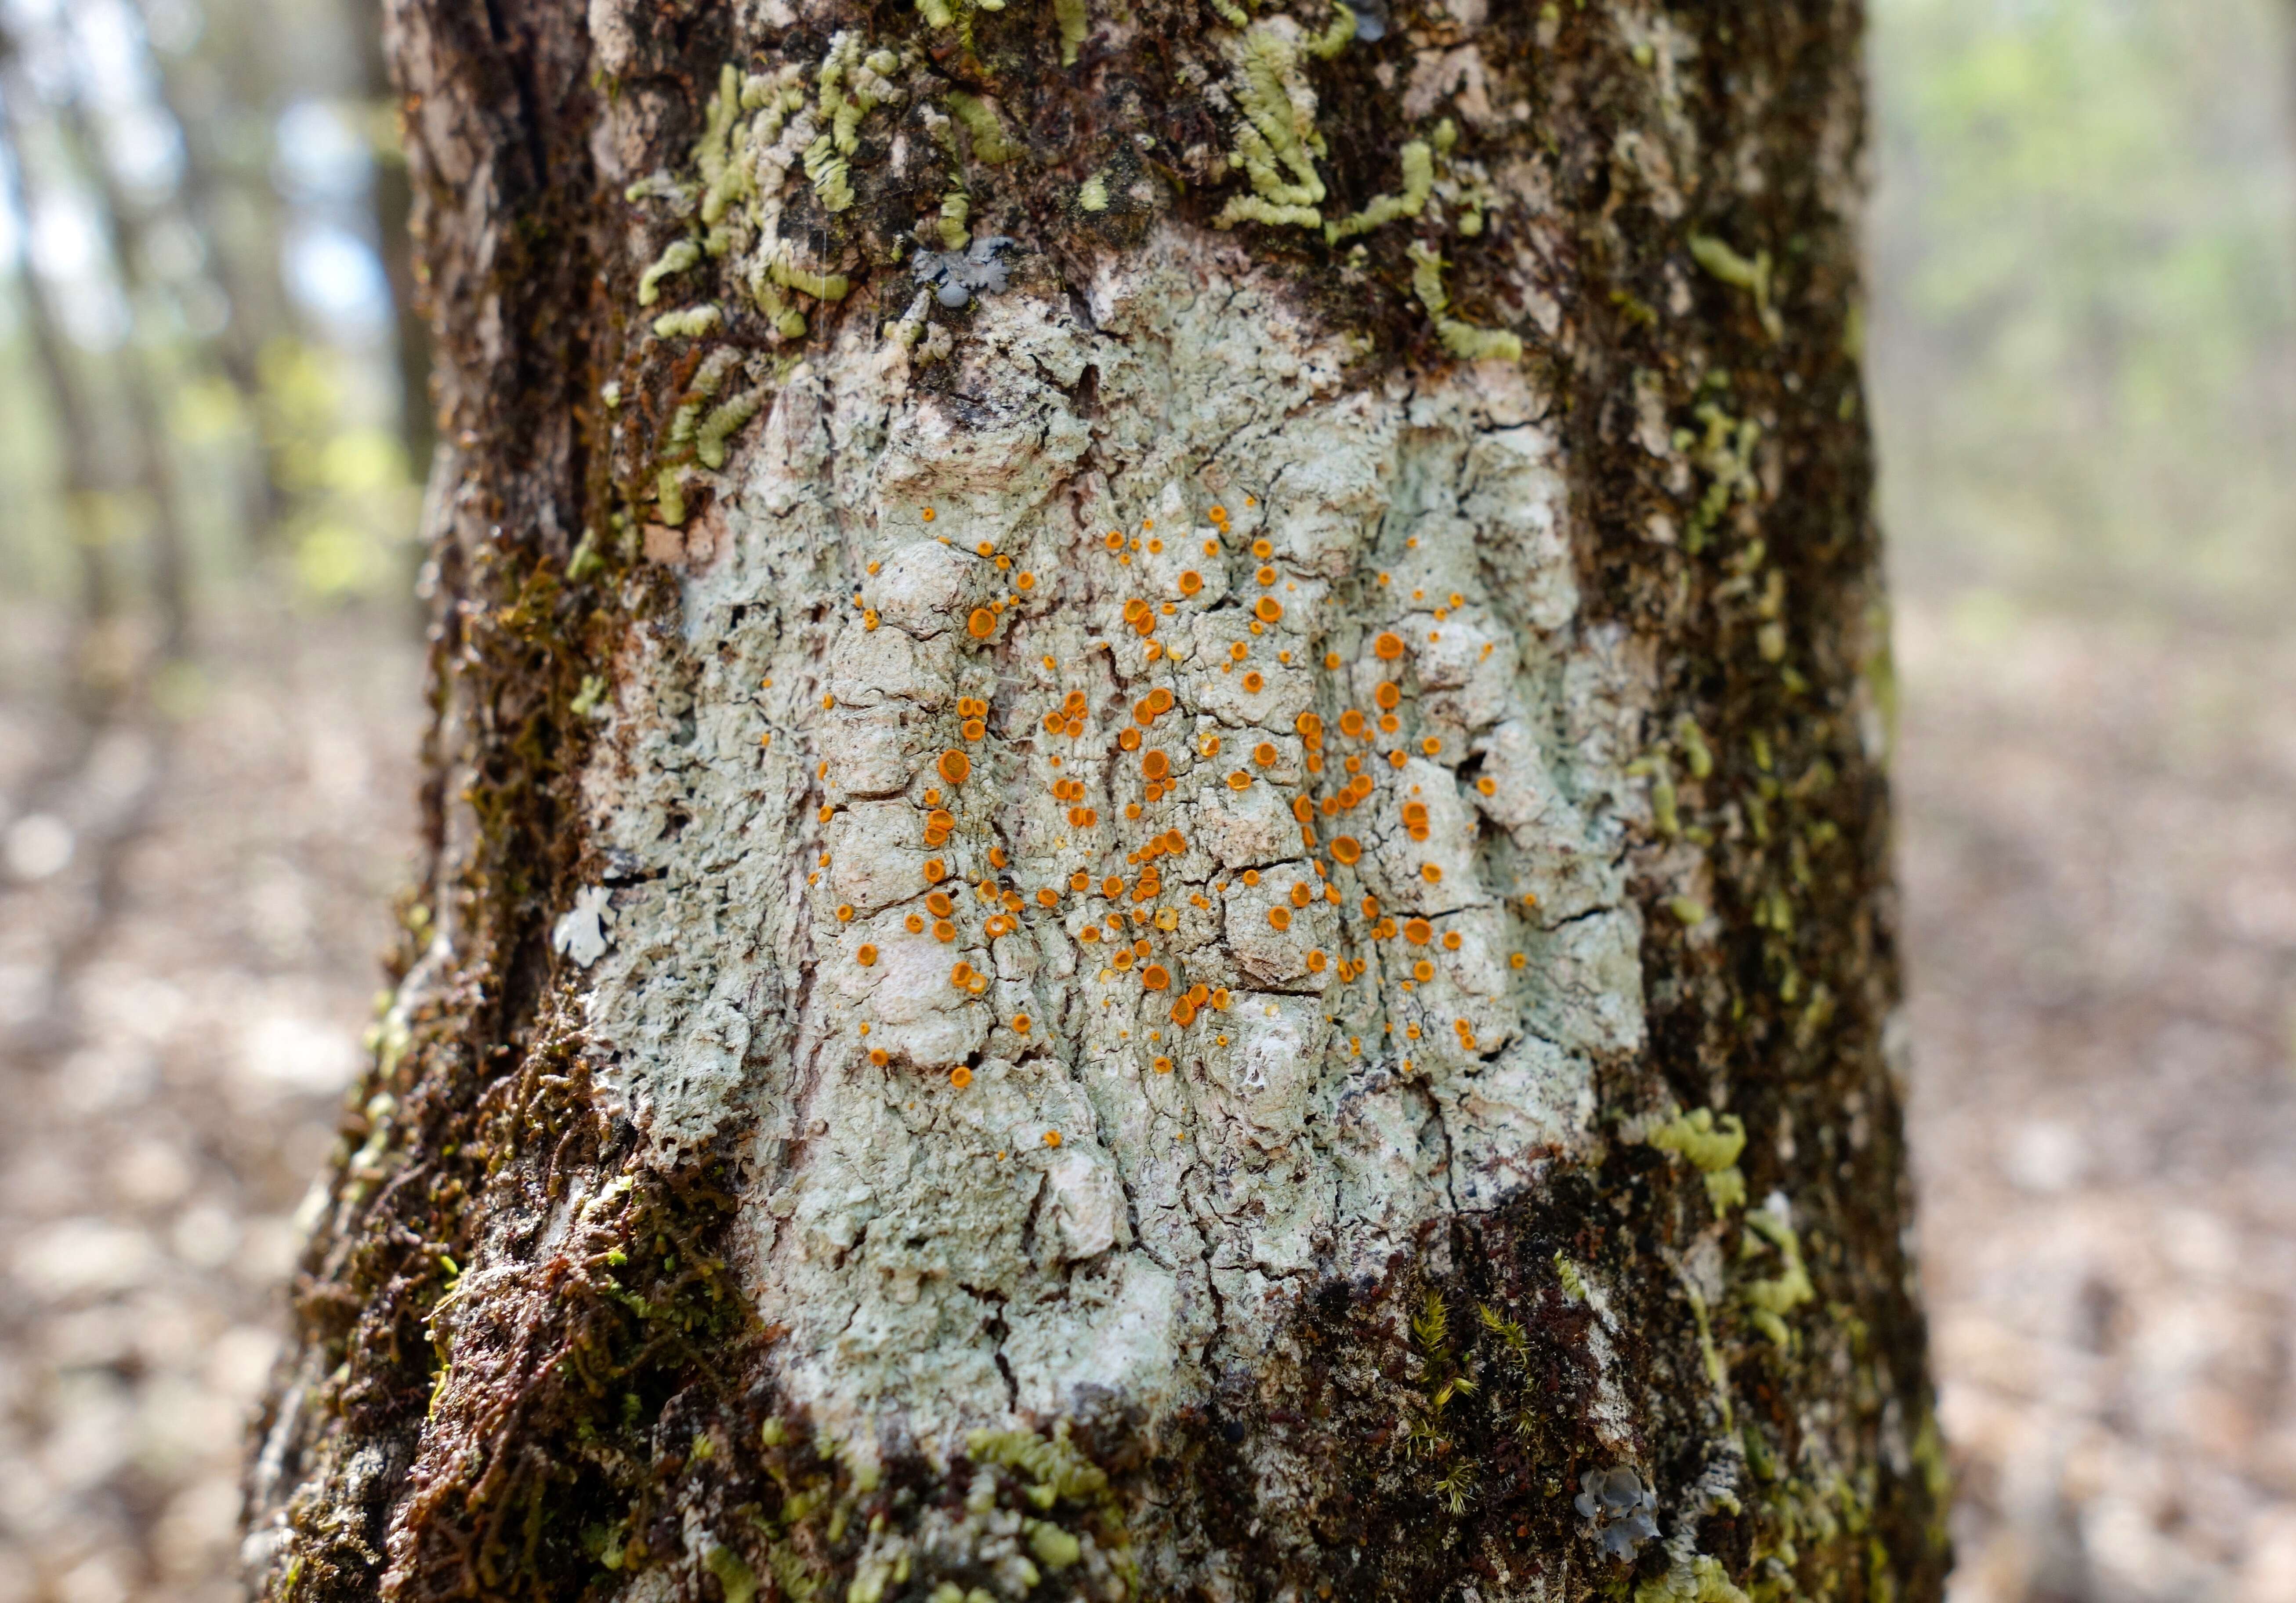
1157	851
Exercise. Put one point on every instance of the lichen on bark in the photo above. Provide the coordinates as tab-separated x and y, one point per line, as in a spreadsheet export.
1149	725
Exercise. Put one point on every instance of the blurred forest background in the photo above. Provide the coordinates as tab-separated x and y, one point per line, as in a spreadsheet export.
2082	350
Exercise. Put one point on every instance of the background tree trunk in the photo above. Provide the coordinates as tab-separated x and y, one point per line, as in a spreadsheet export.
1157	851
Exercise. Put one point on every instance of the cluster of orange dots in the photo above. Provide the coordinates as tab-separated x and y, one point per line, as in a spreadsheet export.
1070	718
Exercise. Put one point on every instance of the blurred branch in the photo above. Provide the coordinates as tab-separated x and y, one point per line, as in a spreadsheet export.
152	467
94	679
394	206
247	276
83	487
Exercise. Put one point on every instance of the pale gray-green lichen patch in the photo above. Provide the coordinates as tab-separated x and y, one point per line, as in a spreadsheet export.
1093	1139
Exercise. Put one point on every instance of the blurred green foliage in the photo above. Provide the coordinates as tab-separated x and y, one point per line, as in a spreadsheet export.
2084	248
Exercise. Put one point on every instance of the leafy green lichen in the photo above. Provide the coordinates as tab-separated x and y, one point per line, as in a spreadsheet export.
1277	142
1711	1145
1418	158
1753	276
1462	339
1769	1300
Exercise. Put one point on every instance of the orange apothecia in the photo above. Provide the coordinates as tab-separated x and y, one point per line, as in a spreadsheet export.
1418	931
960	1077
1281	917
1267	609
1052	1138
1430	873
1388	646
1239	781
936	871
955	766
1191	581
1253	682
1345	848
867	956
1154	765
879	1056
981	624
1156	977
1263	755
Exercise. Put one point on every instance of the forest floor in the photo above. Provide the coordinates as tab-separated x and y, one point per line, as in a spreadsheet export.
2098	834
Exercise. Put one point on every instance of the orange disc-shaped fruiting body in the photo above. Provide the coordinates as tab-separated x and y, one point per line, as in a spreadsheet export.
1267	609
1140	615
867	956
1183	1012
1281	917
1418	931
955	766
1190	582
1388	646
1154	765
1156	977
1346	848
981	624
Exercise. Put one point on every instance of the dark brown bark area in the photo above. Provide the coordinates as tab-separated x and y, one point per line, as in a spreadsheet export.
626	1398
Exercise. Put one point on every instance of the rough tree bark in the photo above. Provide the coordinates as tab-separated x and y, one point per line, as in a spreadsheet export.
1156	847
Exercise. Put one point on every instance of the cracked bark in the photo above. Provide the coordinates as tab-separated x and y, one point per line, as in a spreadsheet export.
1074	922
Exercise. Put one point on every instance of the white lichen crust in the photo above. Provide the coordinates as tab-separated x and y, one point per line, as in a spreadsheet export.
1065	1097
